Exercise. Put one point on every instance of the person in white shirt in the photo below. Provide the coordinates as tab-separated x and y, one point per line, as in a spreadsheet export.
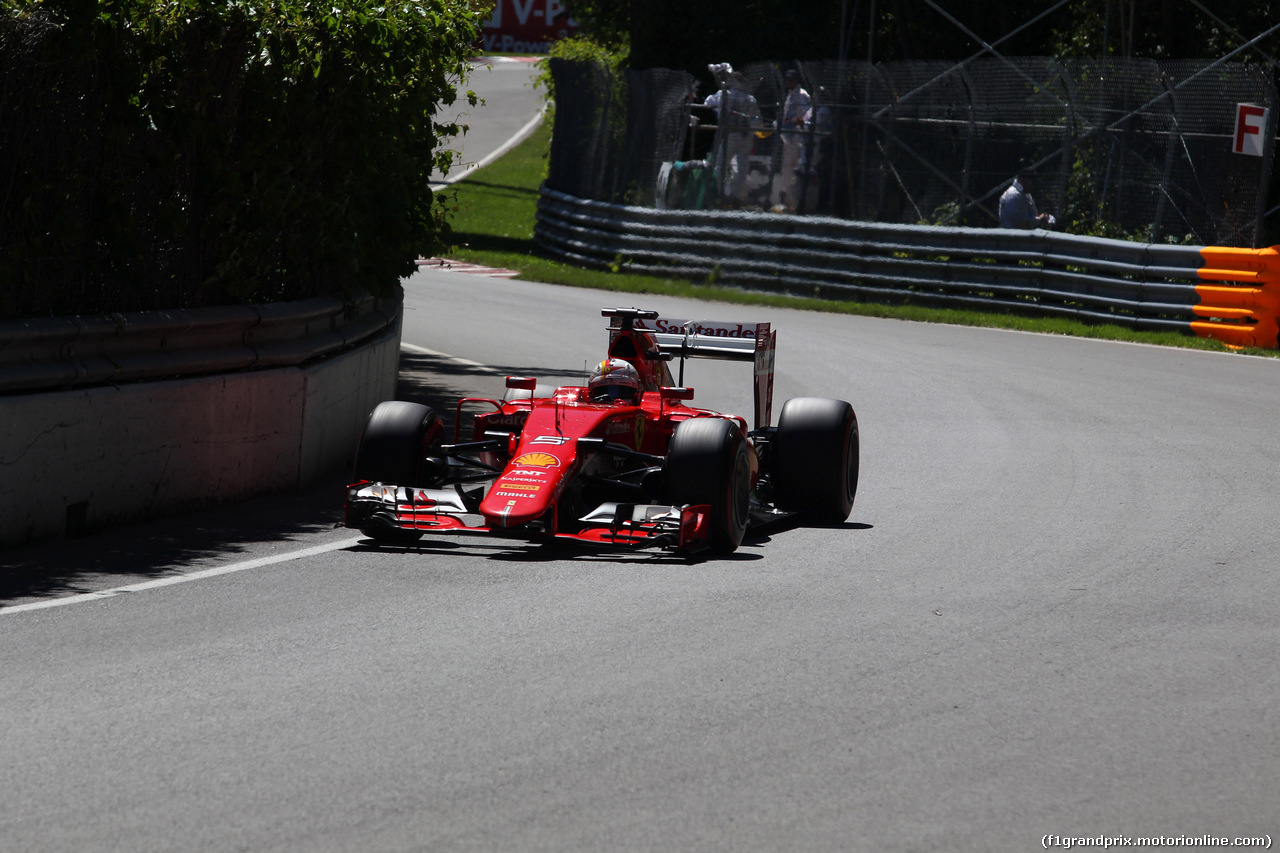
791	124
737	115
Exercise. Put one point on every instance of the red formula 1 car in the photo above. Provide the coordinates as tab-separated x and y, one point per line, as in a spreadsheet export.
623	462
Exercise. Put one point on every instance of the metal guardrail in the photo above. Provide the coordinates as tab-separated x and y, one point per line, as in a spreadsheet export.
1039	273
54	353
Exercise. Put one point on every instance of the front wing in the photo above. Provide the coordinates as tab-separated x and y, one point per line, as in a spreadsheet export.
379	507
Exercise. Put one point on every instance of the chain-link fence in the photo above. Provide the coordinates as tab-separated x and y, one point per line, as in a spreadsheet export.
1126	148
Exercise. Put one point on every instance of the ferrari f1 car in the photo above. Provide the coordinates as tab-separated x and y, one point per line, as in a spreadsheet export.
624	461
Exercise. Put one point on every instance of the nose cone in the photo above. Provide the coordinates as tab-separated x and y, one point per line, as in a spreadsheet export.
524	491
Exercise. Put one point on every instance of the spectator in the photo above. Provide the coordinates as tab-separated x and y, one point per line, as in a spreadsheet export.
817	143
737	115
1018	208
791	121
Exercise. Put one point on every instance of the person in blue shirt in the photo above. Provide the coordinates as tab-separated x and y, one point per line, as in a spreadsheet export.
1018	208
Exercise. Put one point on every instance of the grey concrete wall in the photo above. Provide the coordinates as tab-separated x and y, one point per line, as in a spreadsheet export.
338	395
84	458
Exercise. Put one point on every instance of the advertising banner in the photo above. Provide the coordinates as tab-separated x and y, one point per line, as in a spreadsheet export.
526	26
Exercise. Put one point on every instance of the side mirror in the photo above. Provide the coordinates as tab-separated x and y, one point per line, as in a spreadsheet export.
674	393
525	383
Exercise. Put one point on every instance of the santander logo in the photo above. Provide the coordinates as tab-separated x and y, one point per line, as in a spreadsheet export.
708	328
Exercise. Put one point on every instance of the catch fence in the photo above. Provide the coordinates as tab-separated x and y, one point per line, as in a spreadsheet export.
1129	148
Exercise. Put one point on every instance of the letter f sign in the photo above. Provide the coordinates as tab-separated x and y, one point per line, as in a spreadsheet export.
1251	121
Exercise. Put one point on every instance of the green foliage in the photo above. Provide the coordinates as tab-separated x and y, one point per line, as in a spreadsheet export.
495	208
1084	213
179	153
947	213
605	22
581	48
680	35
1179	29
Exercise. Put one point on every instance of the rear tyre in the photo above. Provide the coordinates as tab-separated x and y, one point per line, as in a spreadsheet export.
708	463
396	440
813	459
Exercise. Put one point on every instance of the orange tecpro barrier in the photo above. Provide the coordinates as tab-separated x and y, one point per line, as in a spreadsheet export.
1242	314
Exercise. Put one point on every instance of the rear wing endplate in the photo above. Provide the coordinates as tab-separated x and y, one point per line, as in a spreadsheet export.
682	339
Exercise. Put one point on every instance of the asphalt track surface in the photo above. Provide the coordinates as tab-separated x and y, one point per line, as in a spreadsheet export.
1052	612
508	109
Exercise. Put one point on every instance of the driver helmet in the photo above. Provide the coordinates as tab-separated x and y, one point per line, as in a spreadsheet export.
614	379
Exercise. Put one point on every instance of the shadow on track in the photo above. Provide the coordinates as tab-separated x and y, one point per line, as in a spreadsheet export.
167	546
149	549
528	552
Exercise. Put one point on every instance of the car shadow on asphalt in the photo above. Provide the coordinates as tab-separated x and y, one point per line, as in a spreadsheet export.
525	552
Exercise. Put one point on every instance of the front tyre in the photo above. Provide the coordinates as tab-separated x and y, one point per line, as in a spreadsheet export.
813	459
396	441
708	463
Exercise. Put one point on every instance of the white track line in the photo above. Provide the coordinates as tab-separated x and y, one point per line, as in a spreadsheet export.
177	579
521	135
475	365
445	265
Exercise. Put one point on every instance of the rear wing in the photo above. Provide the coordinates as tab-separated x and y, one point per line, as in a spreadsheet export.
682	339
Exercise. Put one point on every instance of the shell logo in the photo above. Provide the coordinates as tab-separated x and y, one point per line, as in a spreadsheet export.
536	460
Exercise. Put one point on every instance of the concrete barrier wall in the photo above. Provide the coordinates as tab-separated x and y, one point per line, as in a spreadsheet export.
338	395
79	459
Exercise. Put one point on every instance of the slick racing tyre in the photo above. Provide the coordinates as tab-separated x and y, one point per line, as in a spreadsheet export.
813	459
708	463
396	441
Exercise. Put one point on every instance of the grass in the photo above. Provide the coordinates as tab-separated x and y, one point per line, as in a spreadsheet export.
493	217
